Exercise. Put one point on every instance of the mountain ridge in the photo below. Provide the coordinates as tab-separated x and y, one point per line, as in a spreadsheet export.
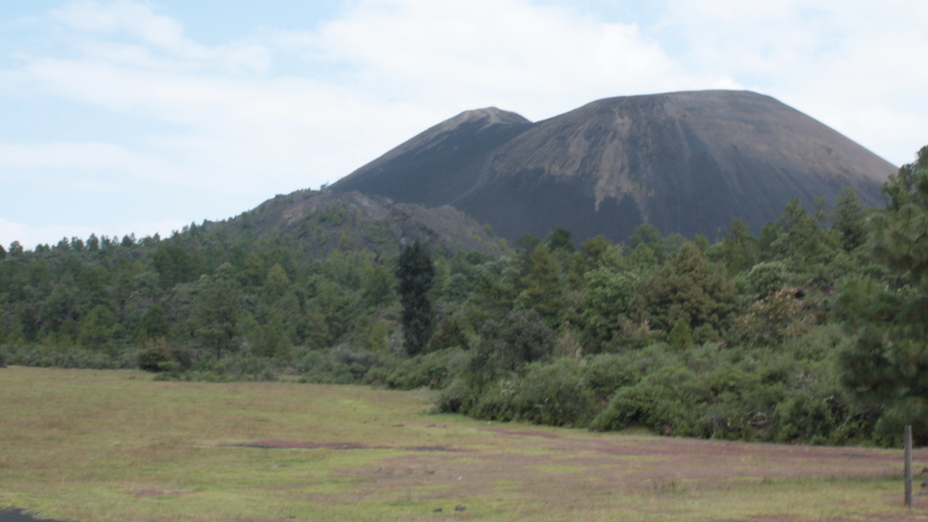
687	162
320	222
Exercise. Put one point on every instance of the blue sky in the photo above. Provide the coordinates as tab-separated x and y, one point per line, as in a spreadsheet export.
142	116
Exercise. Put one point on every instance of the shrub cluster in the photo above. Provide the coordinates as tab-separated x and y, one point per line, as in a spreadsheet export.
67	357
791	394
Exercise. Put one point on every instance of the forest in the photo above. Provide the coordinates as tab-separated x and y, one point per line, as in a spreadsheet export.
812	331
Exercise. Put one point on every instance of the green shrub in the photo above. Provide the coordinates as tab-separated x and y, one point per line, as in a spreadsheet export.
496	402
435	370
790	394
449	335
555	394
766	278
457	397
157	356
154	356
519	338
660	401
70	357
606	373
341	365
233	367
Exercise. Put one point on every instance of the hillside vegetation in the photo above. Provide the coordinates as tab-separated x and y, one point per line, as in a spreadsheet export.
737	339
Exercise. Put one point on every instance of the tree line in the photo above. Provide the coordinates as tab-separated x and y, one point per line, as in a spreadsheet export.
811	331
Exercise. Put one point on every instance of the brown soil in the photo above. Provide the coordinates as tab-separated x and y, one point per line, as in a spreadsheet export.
284	444
16	515
541	434
541	466
156	492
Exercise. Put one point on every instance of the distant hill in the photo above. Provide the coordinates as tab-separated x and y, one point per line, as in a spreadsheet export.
686	162
318	222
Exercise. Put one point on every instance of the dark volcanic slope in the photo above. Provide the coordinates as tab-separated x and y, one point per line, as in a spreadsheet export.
319	222
687	162
437	166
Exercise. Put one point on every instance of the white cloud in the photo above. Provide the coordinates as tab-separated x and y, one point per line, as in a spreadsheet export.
81	166
142	228
30	236
96	186
10	232
511	53
153	31
230	119
81	156
412	63
853	65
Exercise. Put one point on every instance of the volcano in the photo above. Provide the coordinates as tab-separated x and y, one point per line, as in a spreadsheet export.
685	162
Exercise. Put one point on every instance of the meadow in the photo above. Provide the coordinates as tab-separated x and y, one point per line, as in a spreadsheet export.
98	445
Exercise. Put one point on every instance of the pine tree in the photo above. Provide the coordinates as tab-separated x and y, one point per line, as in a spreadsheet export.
543	291
416	273
449	335
738	249
216	309
680	336
690	288
97	328
153	323
850	219
889	316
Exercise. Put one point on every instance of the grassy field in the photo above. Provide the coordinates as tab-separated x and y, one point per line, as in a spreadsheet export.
81	445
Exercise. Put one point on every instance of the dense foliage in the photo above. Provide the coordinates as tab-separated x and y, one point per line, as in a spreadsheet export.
888	311
744	338
415	274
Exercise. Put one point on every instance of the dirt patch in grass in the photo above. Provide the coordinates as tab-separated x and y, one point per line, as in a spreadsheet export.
880	518
288	444
725	460
588	477
16	515
156	492
515	433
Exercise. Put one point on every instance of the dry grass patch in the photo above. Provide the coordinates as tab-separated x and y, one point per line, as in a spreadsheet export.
114	445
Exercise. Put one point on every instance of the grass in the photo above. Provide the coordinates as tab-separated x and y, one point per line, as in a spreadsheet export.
114	445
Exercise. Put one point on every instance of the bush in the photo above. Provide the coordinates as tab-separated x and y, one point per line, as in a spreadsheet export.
786	395
495	402
555	394
232	367
606	373
457	397
70	357
766	278
157	356
660	402
154	356
435	370
449	335
341	365
519	338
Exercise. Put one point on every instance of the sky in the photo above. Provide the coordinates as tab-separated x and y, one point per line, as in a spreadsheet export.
141	116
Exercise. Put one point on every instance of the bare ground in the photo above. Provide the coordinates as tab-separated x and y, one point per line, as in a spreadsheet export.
545	467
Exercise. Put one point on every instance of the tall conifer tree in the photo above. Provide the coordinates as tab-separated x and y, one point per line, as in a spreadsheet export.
889	315
416	273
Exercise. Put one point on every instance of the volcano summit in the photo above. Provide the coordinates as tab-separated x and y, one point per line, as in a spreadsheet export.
686	162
